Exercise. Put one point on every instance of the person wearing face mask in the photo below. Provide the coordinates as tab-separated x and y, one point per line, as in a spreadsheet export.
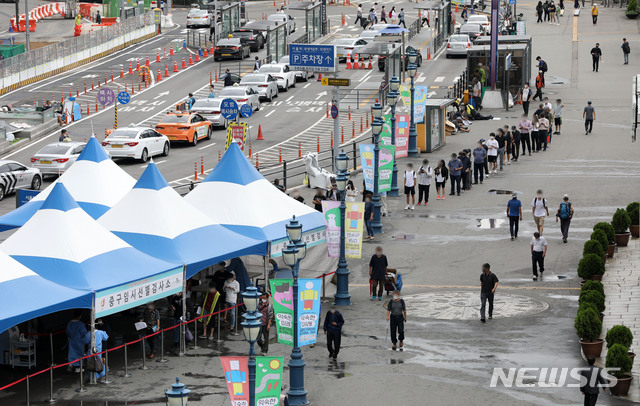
266	309
231	290
396	316
209	307
151	317
377	273
333	323
488	286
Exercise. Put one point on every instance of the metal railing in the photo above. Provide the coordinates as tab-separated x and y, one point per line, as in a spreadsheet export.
460	84
414	29
56	57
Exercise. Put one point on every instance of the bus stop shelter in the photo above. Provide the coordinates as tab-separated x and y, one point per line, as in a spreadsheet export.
440	18
312	19
431	133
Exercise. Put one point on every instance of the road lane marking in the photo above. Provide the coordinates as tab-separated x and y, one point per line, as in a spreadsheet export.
307	85
439	79
290	97
269	113
207	146
421	79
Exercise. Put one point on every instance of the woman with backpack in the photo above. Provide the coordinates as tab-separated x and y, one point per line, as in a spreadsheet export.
565	214
442	174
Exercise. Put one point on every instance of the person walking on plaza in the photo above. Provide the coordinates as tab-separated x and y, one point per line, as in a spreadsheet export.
540	209
425	19
525	128
98	17
466	170
589	116
368	217
502	143
538	252
543	130
425	173
592	382
539	86
479	156
383	15
76	331
455	171
514	213
231	290
565	214
228	80
594	14
515	147
557	116
596	56
477	94
401	18
626	50
552	13
410	186
492	153
527	94
442	174
377	273
333	322
539	12
396	316
266	310
359	14
488	286
151	317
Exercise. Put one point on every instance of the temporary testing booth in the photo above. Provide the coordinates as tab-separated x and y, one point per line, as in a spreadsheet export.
431	132
518	73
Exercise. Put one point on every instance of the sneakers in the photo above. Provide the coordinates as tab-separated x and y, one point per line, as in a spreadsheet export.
535	277
407	208
490	317
438	197
373	298
413	207
426	203
442	197
418	204
508	162
379	298
483	320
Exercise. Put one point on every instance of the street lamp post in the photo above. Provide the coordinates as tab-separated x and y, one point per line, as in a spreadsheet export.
413	134
178	395
251	329
392	97
295	251
342	296
376	128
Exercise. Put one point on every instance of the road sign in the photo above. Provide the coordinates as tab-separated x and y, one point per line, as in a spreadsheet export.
315	58
512	2
335	82
236	132
334	111
123	98
229	109
246	110
106	96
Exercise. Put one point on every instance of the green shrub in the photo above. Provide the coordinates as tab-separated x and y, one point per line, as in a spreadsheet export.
621	221
593	285
633	205
590	265
608	230
588	306
588	325
619	335
634	216
594	297
618	357
632	7
593	247
601	237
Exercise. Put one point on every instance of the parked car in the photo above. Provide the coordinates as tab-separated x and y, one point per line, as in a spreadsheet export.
346	46
265	84
209	108
481	19
185	126
282	73
383	58
254	39
136	143
235	78
242	95
472	30
198	18
458	44
303	75
231	48
55	159
372	32
14	175
282	17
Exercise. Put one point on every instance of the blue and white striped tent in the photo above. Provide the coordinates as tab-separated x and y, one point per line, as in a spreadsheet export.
155	219
94	181
27	295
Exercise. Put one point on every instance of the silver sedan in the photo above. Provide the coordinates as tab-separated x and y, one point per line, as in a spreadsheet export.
458	44
209	108
265	84
56	158
242	95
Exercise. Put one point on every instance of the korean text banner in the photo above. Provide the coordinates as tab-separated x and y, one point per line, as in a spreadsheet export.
308	310
268	380
236	132
311	238
402	134
419	100
236	373
385	161
136	293
366	159
331	211
353	226
282	294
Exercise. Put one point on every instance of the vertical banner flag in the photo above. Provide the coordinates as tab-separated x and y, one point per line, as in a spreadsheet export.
419	100
268	381
308	310
402	134
236	373
385	166
282	294
366	160
354	222
331	211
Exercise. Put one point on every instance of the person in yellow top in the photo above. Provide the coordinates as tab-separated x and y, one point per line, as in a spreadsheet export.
78	20
594	14
208	307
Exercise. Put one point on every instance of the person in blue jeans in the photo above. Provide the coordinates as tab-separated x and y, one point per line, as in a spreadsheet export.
368	216
514	212
479	157
455	170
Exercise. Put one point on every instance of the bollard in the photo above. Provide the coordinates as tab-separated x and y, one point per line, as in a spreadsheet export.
280	155
332	142
353	130
257	163
88	112
219	340
219	155
70	91
126	364
106	380
210	79
112	75
81	388
324	292
327	110
195	172
162	358
105	78
195	337
367	119
361	128
28	390
349	113
319	142
51	345
299	149
85	87
201	165
77	90
144	366
51	398
341	135
92	85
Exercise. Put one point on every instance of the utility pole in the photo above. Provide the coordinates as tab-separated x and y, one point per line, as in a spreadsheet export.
26	33
336	124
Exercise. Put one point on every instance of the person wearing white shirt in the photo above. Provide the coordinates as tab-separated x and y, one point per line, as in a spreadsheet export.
410	186
538	252
539	209
425	173
492	153
231	290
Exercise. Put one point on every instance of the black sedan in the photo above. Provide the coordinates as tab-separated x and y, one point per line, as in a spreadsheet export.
231	48
382	59
254	38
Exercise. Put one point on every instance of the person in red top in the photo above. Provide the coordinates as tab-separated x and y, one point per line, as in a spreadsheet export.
539	86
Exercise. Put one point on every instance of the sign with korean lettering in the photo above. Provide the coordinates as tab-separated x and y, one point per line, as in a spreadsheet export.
136	293
311	238
308	310
315	58
353	226
282	295
331	211
420	96
402	134
385	166
236	132
268	380
236	373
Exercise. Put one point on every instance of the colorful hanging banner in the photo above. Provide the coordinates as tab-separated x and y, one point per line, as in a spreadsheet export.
366	160
419	100
236	373
402	134
331	211
385	166
308	310
282	294
268	380
236	132
353	226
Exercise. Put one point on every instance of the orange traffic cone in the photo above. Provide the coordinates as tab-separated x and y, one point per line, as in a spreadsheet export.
197	57
190	60
157	55
184	63
319	77
121	71
147	61
175	66
356	65
456	8
137	64
370	63
204	49
166	70
260	137
130	69
349	60
171	50
159	78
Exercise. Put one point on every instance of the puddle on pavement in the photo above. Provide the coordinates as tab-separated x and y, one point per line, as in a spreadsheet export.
491	223
407	237
502	192
339	369
396	361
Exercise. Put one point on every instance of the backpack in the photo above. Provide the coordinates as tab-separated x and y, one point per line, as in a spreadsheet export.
626	48
543	66
544	202
565	210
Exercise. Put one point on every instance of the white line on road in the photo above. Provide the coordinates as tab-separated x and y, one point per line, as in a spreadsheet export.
290	97
365	77
307	85
421	79
157	163
269	113
207	146
439	79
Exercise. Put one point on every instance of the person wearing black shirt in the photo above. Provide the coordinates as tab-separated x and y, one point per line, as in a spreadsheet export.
515	146
502	140
488	286
175	303
378	272
333	323
317	199
596	56
219	278
592	382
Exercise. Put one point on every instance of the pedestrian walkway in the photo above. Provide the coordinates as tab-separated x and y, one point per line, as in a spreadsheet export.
622	289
